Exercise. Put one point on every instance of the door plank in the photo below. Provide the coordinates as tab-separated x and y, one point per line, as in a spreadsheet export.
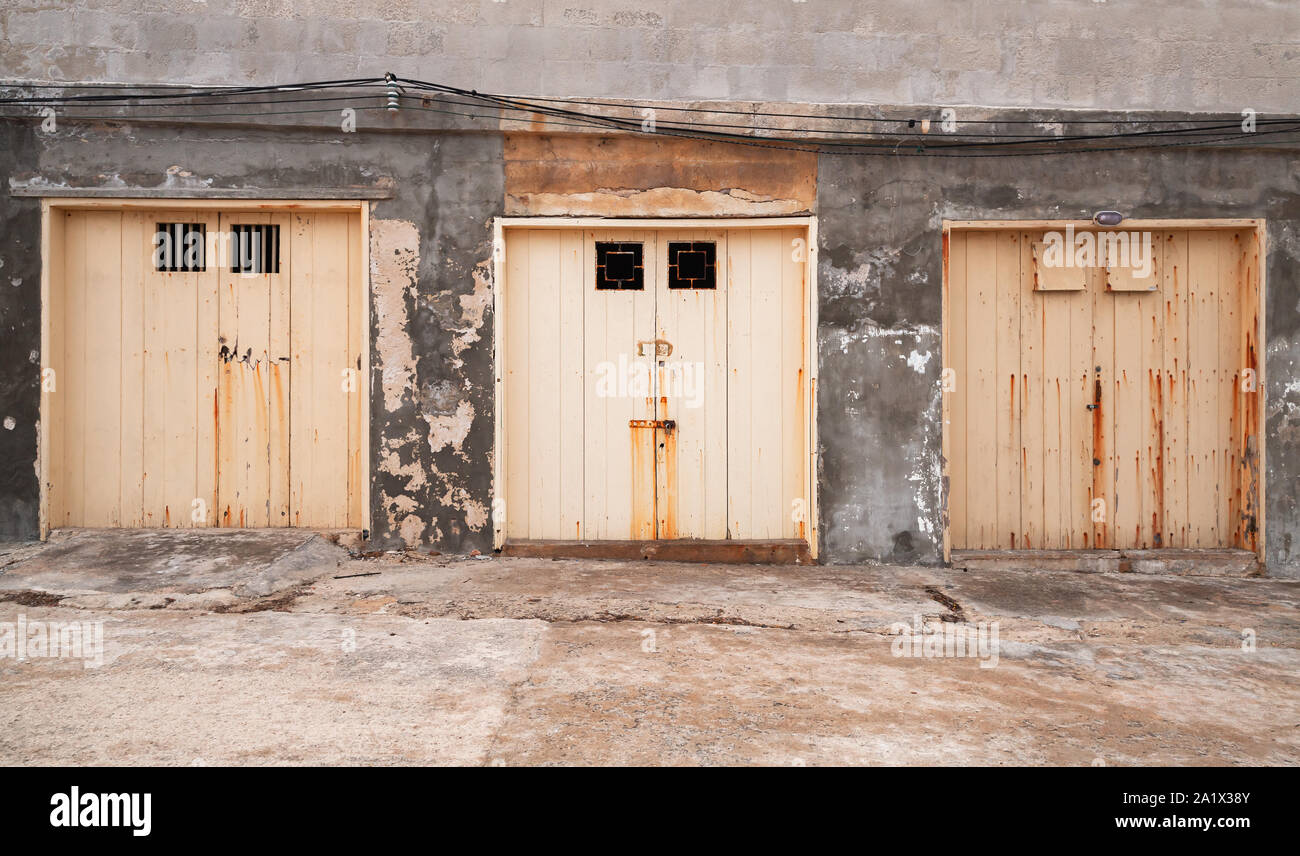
981	367
1032	404
1202	430
1105	378
137	252
1082	394
518	263
569	396
955	359
1247	482
1173	279
103	368
794	419
1150	308
1007	377
740	399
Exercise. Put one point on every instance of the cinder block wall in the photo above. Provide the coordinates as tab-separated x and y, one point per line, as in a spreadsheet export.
1118	54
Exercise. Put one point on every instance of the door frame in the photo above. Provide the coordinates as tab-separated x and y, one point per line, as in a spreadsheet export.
1256	225
52	242
499	227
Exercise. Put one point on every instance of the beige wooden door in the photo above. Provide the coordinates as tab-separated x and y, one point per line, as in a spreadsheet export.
1091	407
176	398
670	405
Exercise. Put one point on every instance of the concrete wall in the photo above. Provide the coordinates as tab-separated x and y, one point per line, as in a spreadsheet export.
20	339
1203	55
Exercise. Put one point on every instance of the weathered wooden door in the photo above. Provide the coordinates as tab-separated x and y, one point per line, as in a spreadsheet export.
654	384
1104	399
206	369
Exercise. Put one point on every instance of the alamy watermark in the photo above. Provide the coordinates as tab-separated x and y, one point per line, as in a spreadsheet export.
927	639
634	379
1094	249
30	640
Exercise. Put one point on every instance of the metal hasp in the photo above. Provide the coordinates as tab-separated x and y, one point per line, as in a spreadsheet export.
665	424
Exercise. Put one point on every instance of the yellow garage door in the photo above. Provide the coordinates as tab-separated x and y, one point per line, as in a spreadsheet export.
1103	389
205	369
655	384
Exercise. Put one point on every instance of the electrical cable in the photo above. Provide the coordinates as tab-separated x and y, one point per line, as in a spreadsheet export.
911	142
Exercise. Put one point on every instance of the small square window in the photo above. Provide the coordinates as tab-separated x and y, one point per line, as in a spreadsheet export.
179	247
254	248
619	266
693	264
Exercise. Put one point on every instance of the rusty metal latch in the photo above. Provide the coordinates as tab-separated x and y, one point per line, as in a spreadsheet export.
666	424
662	348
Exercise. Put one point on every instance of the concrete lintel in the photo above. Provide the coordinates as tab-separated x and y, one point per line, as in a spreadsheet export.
288	193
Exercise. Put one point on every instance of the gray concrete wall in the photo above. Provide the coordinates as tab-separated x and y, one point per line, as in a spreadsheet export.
1201	55
20	339
880	272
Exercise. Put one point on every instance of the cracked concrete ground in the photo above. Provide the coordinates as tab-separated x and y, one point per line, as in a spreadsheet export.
266	651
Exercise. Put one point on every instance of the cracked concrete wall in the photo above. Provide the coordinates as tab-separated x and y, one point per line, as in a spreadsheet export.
1218	55
431	357
20	340
880	273
626	176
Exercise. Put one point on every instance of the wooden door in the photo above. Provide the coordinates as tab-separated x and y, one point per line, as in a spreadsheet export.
1102	405
202	365
664	399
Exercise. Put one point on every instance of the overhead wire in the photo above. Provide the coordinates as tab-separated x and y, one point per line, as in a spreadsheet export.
912	141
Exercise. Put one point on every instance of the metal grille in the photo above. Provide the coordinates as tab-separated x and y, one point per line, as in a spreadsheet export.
619	266
692	264
254	248
179	247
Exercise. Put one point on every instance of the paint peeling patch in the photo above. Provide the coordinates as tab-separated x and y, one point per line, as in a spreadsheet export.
918	361
476	513
450	430
473	307
394	264
179	178
390	462
412	530
653	202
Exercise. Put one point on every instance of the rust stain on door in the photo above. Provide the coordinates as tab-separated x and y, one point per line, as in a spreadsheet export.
643	477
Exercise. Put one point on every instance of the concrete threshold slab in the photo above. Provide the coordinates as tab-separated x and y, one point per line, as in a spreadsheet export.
758	552
1171	562
247	562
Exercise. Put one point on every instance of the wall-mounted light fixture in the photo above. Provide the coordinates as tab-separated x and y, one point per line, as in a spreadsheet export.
1107	218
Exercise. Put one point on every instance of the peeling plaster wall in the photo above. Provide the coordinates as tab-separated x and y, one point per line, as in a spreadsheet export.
20	340
880	273
634	176
431	356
